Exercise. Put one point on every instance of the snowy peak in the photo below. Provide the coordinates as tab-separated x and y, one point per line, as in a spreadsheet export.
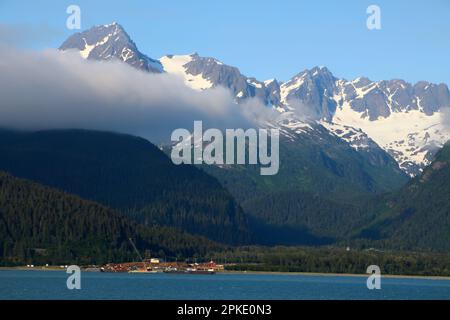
312	88
322	93
404	119
382	98
108	42
202	73
181	65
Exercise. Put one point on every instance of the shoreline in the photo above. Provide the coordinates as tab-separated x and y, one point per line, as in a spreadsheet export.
311	274
321	274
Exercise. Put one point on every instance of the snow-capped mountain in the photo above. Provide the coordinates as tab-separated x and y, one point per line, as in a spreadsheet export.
411	133
405	120
203	73
107	42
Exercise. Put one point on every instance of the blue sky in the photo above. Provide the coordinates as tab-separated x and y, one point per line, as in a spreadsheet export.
266	39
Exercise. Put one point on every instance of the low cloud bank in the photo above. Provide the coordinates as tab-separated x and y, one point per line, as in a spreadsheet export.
55	90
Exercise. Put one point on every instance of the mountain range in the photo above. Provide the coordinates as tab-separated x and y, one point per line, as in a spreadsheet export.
363	163
339	137
403	119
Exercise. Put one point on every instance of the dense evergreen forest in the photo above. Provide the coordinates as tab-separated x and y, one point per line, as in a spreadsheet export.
293	216
42	225
418	215
334	260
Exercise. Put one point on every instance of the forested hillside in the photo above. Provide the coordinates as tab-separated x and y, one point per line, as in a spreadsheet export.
129	174
43	225
418	216
319	194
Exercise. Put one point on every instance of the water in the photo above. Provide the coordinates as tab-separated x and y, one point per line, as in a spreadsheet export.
16	284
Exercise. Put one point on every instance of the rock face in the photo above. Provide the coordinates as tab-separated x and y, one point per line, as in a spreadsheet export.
314	89
405	120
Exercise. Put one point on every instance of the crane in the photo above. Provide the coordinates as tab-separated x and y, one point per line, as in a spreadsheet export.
139	255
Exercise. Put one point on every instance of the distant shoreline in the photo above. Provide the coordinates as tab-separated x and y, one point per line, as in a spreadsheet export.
21	268
320	274
337	274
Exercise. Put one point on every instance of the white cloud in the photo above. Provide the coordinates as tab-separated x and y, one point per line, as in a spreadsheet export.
52	89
